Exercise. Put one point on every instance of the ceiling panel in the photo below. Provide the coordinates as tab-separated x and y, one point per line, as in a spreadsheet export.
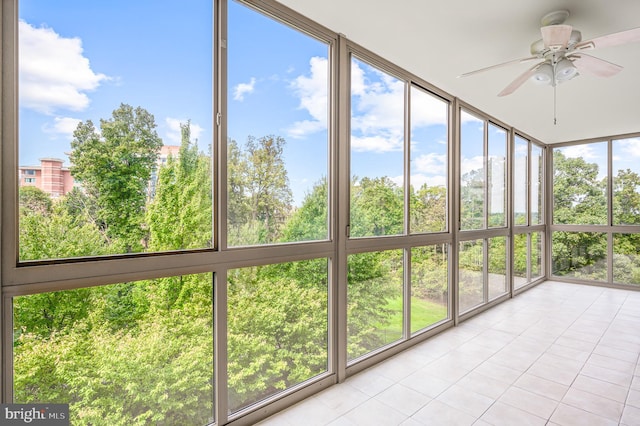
440	40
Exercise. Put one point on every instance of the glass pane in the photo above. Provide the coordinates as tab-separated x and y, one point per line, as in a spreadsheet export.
520	205
520	255
580	255
374	301
123	354
277	132
277	328
580	184
429	143
472	175
626	182
429	286
115	128
497	248
497	177
471	274
536	255
377	152
537	179
626	258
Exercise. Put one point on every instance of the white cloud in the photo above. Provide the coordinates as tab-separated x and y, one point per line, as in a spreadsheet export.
54	73
376	143
398	180
377	122
473	163
305	127
427	110
419	179
431	164
630	147
173	134
312	92
577	151
243	89
62	126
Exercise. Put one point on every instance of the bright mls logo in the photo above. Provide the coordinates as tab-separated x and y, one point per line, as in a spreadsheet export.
35	414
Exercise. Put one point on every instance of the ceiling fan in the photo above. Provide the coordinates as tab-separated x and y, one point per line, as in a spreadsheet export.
561	51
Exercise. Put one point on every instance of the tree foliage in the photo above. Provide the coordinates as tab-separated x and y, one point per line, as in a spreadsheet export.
114	167
142	352
259	194
180	214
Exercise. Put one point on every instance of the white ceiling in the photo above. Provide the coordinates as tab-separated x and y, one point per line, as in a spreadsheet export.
439	40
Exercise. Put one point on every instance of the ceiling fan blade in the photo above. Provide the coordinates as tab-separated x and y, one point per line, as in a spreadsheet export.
615	39
519	81
515	61
556	37
595	66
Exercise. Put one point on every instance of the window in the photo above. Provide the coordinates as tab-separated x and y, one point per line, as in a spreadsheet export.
429	162
626	258
593	234
581	255
497	177
497	270
471	274
108	99
472	172
527	211
521	181
277	328
277	137
580	184
377	152
626	181
30	172
147	345
429	286
537	182
30	180
399	161
375	303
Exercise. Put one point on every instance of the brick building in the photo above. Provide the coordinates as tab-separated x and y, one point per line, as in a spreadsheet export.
50	176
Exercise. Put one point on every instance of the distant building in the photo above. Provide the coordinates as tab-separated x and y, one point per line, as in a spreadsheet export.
50	176
56	180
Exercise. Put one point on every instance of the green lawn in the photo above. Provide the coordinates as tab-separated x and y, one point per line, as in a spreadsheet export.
423	313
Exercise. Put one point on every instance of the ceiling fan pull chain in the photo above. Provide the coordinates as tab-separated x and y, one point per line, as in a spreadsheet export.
554	105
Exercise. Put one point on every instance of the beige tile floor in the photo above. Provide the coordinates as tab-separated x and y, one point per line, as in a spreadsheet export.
558	354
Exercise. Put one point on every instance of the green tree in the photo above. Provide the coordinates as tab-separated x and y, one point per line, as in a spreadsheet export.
472	200
428	209
259	194
310	221
114	167
34	201
277	328
149	362
626	198
376	207
180	214
578	196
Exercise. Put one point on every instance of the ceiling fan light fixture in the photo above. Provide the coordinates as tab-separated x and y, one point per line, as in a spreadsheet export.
543	75
565	70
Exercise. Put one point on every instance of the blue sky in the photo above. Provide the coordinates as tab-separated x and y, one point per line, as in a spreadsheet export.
80	59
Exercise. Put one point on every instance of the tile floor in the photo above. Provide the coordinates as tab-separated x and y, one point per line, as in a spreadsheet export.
558	354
